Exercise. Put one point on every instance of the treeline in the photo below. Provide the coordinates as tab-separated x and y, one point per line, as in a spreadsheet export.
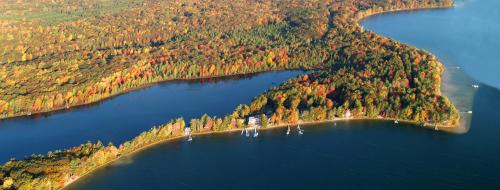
370	76
310	97
47	67
321	96
363	74
58	168
61	167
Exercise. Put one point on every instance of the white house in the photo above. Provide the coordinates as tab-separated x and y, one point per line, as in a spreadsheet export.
253	121
187	131
347	114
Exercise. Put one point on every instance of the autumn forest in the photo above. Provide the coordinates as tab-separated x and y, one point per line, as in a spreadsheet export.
56	54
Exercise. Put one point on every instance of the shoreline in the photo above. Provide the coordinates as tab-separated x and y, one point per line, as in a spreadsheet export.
91	103
360	16
460	126
363	14
370	13
271	127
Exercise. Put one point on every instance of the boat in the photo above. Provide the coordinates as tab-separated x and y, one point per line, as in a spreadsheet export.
242	131
436	128
190	138
246	132
255	133
396	121
475	86
288	131
469	112
300	130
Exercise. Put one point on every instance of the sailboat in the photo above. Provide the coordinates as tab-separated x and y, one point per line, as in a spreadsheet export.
288	131
246	132
300	130
190	138
436	128
242	131
255	133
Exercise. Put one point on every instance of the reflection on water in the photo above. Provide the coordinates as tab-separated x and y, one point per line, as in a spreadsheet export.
354	154
126	160
123	117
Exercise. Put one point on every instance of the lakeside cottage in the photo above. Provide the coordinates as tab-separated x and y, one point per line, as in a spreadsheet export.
254	121
187	131
347	114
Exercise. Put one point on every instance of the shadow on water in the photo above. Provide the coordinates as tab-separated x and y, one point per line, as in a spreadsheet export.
486	115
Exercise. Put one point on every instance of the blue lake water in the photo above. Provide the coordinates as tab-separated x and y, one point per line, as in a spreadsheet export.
467	35
121	118
355	154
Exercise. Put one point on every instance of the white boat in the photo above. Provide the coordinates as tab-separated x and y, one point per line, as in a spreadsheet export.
255	133
190	138
288	131
469	112
300	130
436	128
475	86
242	131
246	132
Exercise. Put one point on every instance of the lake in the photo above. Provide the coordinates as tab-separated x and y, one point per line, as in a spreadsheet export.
355	154
123	117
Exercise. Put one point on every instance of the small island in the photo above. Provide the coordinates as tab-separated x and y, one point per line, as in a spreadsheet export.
357	74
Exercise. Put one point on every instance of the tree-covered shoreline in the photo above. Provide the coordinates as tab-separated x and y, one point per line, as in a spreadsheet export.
362	75
46	67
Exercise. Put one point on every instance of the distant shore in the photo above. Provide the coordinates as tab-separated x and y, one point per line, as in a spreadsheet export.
110	96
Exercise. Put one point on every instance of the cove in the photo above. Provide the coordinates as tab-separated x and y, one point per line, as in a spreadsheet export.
123	117
348	155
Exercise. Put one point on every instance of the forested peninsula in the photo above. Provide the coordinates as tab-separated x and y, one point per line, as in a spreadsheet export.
92	56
